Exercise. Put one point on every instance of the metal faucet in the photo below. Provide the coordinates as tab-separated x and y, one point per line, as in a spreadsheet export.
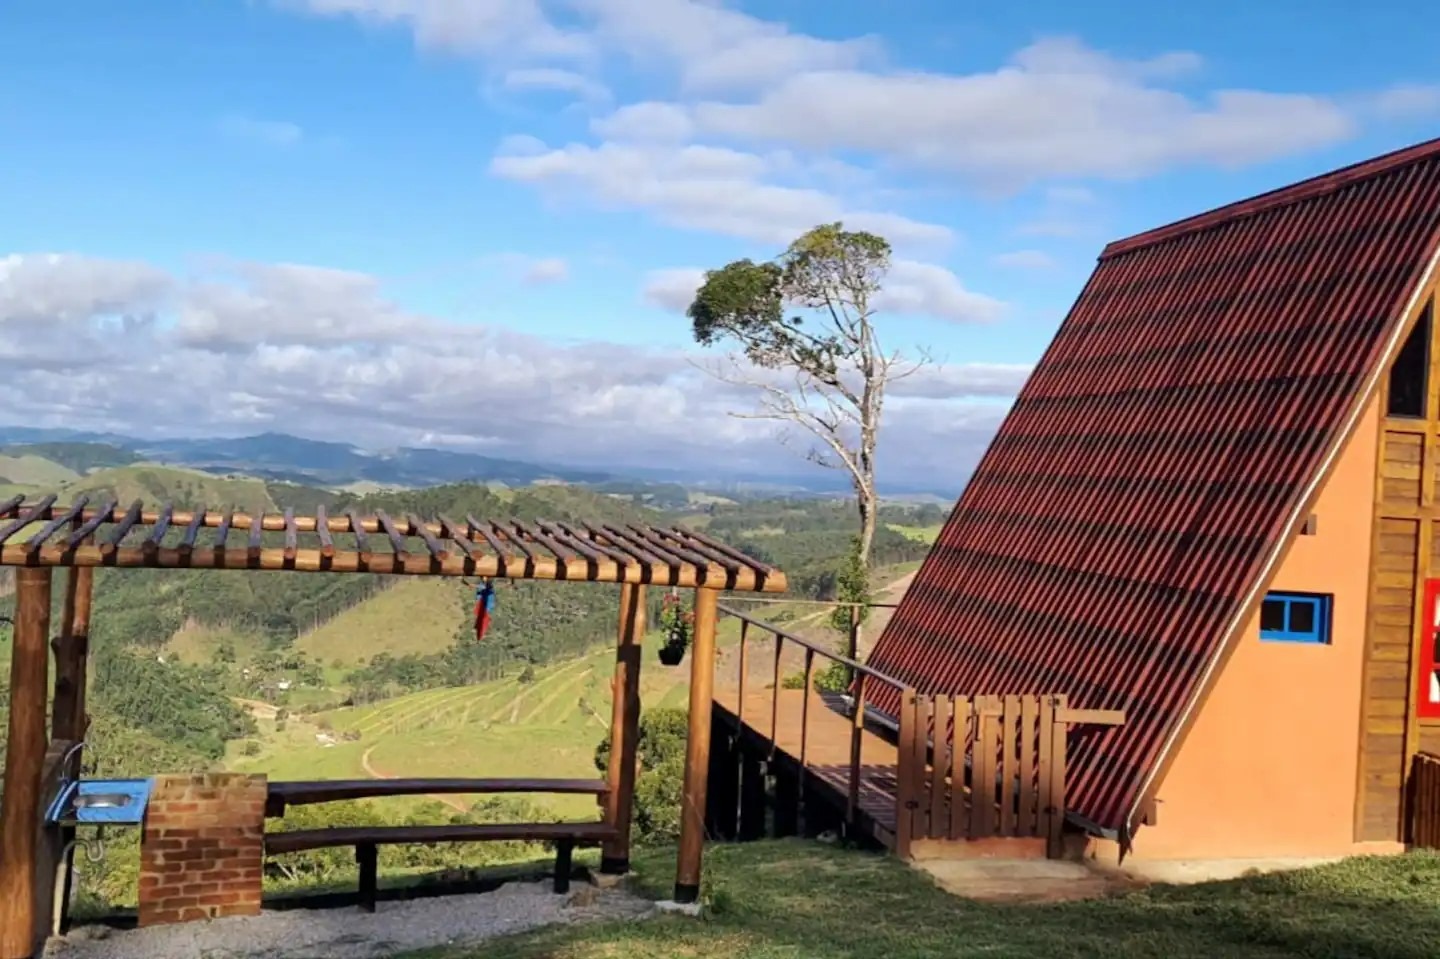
74	748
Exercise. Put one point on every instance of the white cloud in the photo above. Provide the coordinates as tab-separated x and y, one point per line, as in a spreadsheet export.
45	290
323	352
646	122
925	289
1058	108
1024	260
547	270
714	189
518	29
672	289
708	46
276	133
956	380
556	80
1406	100
289	305
530	270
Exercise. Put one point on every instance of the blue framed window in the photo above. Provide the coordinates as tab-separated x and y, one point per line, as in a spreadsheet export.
1295	618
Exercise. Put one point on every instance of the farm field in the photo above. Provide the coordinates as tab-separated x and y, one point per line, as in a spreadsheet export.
547	727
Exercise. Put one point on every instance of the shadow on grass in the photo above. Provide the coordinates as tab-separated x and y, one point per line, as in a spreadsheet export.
795	899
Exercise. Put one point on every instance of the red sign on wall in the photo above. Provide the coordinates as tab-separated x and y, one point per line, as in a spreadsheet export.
1427	693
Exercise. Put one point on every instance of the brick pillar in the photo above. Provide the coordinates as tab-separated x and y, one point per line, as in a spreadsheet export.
202	847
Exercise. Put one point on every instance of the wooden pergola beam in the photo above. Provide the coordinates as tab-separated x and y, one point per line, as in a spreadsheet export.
77	536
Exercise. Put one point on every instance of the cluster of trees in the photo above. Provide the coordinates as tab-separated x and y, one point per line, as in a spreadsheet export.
177	704
812	539
145	607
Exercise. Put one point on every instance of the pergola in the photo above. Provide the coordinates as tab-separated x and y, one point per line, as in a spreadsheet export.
40	534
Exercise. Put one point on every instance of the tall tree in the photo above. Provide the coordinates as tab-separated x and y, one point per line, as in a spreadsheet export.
825	370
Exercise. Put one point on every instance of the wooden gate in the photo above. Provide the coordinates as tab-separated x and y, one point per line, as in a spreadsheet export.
981	767
1425	801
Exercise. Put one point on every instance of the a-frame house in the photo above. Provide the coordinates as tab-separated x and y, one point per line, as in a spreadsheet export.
1213	506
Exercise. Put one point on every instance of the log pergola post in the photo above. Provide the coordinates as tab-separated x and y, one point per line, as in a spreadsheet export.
697	747
24	760
72	648
624	729
68	718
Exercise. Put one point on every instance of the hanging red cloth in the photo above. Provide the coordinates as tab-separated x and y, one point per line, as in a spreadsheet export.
484	604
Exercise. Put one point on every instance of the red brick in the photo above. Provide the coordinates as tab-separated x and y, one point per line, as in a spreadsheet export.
202	848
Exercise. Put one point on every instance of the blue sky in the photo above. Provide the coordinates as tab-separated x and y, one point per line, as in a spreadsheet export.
527	175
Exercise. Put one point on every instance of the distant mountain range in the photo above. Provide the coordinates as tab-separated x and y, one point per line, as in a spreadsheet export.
285	458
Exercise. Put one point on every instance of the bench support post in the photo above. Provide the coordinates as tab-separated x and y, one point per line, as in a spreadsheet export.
366	854
624	729
563	858
697	747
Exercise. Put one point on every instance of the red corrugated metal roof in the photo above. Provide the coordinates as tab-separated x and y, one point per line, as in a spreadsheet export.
1142	486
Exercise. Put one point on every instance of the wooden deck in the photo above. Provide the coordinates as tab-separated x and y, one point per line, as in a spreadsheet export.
954	771
824	755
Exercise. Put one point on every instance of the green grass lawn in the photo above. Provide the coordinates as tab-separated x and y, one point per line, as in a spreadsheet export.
795	900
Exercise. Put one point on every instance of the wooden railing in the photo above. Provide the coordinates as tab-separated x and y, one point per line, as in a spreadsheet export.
862	680
948	748
985	767
1425	801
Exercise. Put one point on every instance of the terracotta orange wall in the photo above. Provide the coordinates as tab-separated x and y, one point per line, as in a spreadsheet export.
1268	769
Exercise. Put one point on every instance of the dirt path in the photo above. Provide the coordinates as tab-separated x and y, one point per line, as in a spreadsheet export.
374	773
258	709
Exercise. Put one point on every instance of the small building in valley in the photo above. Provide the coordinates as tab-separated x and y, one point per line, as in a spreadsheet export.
1213	506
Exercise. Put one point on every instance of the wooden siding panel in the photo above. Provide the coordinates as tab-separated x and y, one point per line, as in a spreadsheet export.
1391	614
1430	738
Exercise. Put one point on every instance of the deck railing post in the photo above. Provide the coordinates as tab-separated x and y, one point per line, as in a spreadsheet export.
1059	732
852	646
775	696
744	669
904	774
24	761
697	747
624	728
805	704
857	745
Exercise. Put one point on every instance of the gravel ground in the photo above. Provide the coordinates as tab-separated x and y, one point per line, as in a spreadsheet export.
349	933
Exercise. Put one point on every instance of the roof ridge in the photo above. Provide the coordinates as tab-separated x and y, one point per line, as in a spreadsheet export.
1282	196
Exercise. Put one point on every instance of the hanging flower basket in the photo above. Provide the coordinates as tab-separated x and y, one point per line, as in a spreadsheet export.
677	622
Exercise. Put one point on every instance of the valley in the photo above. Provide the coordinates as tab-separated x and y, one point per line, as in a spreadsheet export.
316	677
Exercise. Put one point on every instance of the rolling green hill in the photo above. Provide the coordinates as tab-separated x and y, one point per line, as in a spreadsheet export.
417	616
183	487
29	470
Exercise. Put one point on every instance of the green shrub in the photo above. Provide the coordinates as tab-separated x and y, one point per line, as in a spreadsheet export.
660	755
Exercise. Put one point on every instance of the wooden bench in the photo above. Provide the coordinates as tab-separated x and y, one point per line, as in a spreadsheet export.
367	839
